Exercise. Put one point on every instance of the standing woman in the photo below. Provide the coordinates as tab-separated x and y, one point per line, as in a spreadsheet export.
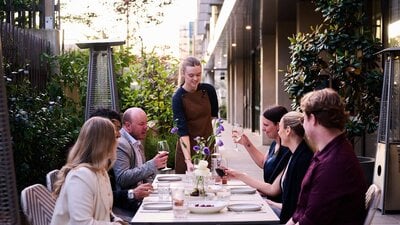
194	105
83	188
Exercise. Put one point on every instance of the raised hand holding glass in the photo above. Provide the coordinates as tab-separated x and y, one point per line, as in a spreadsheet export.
237	132
162	148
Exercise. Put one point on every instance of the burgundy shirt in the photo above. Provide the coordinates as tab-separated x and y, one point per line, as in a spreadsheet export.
333	189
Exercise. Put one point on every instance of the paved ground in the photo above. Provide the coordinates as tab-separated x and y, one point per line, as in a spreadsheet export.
241	160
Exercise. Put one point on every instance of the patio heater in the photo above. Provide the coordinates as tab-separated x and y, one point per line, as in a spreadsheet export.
101	87
387	164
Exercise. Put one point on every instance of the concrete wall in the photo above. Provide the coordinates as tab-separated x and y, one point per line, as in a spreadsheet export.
306	16
285	29
268	79
238	92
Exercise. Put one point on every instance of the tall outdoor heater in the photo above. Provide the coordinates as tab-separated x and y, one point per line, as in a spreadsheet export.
387	164
101	83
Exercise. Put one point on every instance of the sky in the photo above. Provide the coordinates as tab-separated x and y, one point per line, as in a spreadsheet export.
166	33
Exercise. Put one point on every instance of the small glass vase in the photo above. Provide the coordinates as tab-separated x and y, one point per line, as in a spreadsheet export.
199	186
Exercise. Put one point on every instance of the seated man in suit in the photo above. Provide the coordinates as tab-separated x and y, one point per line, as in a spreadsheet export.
126	201
131	168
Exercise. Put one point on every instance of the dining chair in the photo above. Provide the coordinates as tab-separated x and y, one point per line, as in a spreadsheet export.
51	178
372	198
37	204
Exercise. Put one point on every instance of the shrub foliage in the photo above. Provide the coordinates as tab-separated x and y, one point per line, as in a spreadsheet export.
45	124
339	53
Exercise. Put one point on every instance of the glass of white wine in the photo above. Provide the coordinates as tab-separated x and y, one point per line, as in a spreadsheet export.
237	132
162	148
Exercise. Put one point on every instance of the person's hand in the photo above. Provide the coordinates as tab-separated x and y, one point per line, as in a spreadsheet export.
161	160
243	140
274	204
233	173
189	165
143	190
120	221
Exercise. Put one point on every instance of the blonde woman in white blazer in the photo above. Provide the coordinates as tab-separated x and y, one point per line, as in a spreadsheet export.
83	188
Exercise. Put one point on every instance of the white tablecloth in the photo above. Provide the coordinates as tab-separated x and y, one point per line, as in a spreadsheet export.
263	216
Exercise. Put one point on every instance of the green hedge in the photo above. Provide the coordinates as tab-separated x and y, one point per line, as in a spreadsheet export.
45	124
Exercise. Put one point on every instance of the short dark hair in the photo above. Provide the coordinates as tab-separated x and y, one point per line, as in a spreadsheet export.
106	113
275	113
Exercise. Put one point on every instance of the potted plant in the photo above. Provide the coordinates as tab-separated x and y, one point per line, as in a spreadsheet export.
339	53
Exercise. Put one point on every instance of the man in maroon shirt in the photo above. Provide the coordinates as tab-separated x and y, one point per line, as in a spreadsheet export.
333	189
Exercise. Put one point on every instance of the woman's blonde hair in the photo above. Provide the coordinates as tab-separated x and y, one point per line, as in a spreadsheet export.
95	149
294	120
189	61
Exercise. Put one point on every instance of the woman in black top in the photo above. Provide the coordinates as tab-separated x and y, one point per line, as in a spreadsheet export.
275	160
288	182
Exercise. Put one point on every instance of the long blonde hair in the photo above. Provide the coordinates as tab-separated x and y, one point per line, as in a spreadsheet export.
95	149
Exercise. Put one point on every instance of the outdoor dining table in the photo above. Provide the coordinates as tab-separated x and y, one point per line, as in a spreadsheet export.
264	215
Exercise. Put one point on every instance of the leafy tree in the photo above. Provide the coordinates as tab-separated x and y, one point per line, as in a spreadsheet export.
149	83
339	53
132	12
145	11
45	124
70	79
42	127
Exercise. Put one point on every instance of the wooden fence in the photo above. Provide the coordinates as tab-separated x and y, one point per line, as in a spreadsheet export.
29	14
23	55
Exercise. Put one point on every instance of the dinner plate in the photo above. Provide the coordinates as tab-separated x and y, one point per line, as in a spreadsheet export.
169	178
243	190
157	206
204	207
244	207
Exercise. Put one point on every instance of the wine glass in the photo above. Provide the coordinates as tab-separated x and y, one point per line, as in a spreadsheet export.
162	147
222	165
237	132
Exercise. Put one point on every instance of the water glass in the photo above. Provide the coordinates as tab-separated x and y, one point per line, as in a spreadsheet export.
224	194
164	191
179	203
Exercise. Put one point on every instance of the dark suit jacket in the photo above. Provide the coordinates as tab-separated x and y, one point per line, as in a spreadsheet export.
121	201
127	172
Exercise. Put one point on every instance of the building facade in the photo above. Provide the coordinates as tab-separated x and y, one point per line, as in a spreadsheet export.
247	42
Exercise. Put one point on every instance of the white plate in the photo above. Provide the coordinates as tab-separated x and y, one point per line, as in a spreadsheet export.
244	207
203	207
157	206
243	190
169	178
